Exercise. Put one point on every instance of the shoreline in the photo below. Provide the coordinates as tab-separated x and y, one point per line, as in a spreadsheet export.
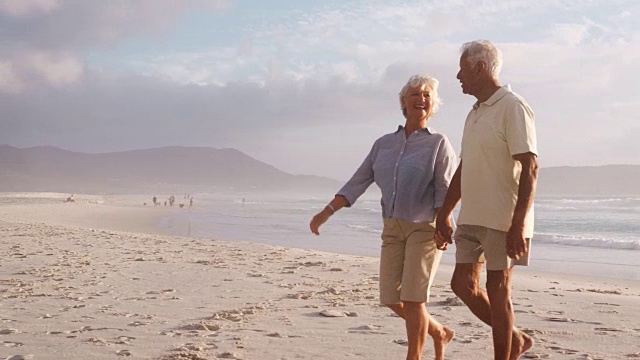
73	291
127	214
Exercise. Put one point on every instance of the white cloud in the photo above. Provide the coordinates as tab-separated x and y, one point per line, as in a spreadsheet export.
43	40
26	70
27	8
569	34
57	69
372	35
10	82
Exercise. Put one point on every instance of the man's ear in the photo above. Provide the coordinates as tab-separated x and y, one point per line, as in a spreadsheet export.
482	66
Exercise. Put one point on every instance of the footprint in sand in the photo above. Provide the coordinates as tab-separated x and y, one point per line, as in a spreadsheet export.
276	335
12	344
607	329
367	329
536	356
557	319
466	323
228	355
452	301
517	311
96	341
138	323
563	350
195	347
470	338
124	340
201	326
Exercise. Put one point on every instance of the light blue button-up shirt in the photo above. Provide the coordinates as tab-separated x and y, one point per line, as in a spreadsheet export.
413	174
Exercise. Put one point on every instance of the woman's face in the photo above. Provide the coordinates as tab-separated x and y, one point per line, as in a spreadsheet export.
417	102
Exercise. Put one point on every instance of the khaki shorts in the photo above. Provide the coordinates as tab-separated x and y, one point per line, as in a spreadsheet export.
478	244
408	261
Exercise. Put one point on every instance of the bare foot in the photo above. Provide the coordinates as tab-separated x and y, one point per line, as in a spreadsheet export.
520	343
440	342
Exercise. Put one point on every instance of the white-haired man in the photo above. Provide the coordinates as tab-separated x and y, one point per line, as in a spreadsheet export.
496	186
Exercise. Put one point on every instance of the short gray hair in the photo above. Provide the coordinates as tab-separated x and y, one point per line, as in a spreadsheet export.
420	80
486	51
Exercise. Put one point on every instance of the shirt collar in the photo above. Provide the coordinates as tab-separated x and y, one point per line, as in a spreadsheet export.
428	130
499	94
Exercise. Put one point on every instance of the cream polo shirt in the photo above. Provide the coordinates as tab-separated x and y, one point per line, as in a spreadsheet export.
495	130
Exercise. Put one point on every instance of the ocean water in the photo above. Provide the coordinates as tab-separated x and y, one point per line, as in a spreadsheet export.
574	235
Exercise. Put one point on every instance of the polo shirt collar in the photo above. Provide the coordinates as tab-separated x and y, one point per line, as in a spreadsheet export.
428	130
499	94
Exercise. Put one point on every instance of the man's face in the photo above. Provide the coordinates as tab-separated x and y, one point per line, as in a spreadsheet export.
417	101
468	75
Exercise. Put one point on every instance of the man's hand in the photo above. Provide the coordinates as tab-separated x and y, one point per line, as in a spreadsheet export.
319	219
443	232
516	243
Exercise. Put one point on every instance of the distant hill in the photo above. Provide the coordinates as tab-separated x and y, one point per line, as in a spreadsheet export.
193	169
590	180
166	169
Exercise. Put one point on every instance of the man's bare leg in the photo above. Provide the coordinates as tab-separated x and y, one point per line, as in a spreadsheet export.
499	292
441	334
465	283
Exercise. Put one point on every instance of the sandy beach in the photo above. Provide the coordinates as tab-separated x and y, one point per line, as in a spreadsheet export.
97	279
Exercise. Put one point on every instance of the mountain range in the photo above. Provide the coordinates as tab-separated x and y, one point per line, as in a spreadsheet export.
192	169
166	169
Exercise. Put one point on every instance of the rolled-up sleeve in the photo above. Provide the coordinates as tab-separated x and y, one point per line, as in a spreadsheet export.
445	167
361	179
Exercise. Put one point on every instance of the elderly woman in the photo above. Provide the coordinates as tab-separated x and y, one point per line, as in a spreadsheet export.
413	167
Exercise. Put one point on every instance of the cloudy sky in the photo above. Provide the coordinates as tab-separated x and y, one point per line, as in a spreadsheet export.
307	85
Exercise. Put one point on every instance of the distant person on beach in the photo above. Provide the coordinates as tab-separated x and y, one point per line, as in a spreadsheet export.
191	202
496	185
413	167
155	200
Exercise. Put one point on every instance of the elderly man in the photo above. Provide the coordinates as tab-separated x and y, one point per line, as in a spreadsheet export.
496	186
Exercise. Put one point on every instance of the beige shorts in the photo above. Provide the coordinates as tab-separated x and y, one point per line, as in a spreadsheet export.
408	261
479	244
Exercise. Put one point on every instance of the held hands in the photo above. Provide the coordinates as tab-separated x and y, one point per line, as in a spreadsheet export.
444	231
516	243
319	219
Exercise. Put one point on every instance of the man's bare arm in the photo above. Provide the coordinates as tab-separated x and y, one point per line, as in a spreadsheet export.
527	187
516	243
443	224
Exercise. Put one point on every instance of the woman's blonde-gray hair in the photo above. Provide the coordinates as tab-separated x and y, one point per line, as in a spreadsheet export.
485	51
420	80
